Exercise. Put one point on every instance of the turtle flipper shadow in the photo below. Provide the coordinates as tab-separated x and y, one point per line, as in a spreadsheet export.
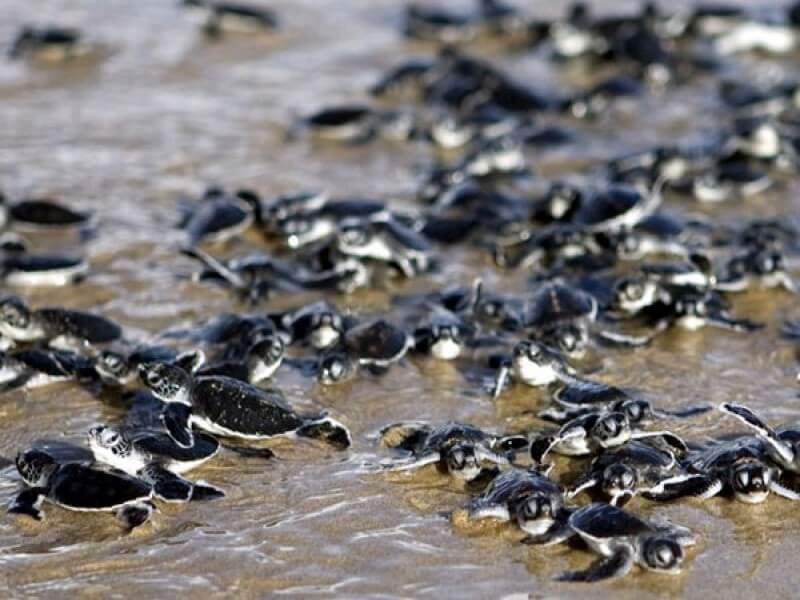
28	502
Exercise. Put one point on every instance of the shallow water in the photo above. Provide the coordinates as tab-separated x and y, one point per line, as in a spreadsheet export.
162	115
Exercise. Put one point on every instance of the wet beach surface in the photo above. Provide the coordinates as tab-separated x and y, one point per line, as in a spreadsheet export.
166	113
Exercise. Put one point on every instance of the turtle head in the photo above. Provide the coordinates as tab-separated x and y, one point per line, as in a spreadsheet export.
326	329
108	444
462	462
572	340
447	343
619	479
750	480
631	294
637	410
334	368
168	382
14	313
661	553
612	429
35	467
264	357
535	513
112	366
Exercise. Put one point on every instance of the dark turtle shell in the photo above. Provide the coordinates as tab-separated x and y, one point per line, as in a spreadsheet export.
555	302
162	446
450	434
603	521
84	488
635	454
57	363
516	483
589	393
338	116
243	408
215	216
64	452
720	457
46	213
92	328
376	341
604	206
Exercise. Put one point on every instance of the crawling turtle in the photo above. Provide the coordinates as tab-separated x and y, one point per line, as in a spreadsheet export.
41	214
40	367
232	408
693	309
443	336
621	473
50	43
58	326
738	466
376	344
79	487
758	267
220	216
526	497
222	16
593	431
119	367
533	364
21	269
155	458
623	539
258	364
320	324
460	450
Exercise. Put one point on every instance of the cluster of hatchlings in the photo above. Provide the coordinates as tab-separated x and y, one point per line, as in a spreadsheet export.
610	267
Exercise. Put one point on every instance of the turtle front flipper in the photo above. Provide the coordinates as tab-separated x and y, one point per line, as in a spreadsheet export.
786	486
615	338
585	482
411	463
558	532
739	325
202	491
167	485
133	515
612	567
176	420
764	431
681	486
28	502
404	436
327	430
250	452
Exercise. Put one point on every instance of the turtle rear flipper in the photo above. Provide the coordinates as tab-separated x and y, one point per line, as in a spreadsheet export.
28	502
327	430
16	383
616	565
202	491
681	486
167	485
134	515
176	420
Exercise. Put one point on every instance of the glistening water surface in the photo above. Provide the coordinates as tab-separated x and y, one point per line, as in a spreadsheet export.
165	113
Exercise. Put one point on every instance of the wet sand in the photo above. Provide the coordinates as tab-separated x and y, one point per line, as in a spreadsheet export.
165	114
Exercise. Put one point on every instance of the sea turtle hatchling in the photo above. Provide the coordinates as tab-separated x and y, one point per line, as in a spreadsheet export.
590	432
533	364
623	472
458	449
59	327
40	367
232	408
526	497
623	539
155	458
79	487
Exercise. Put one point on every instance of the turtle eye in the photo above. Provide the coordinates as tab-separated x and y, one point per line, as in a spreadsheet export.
537	507
109	437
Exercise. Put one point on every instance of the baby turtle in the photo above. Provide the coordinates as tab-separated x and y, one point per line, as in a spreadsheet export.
782	446
260	362
692	309
41	214
232	408
50	43
59	327
528	498
759	267
321	325
621	473
736	466
590	432
443	337
82	488
376	344
20	269
219	216
233	17
120	368
458	449
40	367
155	458
533	364
623	539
